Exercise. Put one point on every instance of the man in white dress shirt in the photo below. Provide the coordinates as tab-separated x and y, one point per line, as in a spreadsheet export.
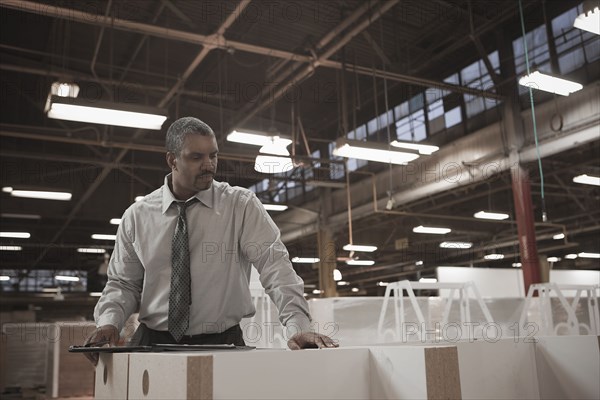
228	231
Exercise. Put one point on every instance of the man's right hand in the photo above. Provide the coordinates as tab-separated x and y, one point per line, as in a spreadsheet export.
106	334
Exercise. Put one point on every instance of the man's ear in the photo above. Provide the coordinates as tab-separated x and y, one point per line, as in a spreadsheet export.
171	161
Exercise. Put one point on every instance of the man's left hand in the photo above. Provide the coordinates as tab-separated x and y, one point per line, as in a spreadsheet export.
311	340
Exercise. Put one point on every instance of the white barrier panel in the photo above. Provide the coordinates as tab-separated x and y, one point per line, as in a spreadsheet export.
491	282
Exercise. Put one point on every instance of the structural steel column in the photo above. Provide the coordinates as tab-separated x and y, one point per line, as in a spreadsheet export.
515	140
525	226
327	263
326	247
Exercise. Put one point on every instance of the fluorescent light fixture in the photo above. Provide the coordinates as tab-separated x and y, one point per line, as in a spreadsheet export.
517	265
274	158
64	89
95	294
589	21
16	235
66	278
11	248
305	260
382	283
359	247
419	263
490	215
337	275
428	280
4	278
257	138
558	236
115	221
456	245
20	216
355	290
373	151
101	236
432	230
589	255
91	250
106	113
317	291
275	207
587	180
268	164
549	83
360	262
571	256
423	149
343	283
494	256
553	259
139	198
37	194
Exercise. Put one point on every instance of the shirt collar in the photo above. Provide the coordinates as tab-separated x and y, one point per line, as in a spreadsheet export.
206	197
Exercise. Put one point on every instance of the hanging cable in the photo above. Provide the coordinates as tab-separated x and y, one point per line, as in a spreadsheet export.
537	147
390	202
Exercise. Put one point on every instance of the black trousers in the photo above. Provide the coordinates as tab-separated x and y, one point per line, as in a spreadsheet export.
145	336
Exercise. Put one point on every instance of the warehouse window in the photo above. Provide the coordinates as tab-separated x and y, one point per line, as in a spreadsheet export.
41	280
537	50
476	76
574	46
453	117
412	127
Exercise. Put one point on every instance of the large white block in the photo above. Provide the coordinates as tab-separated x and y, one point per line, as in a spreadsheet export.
263	374
504	369
112	376
279	374
170	376
568	367
414	372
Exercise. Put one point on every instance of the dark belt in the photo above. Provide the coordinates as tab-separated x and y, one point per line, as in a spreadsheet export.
145	336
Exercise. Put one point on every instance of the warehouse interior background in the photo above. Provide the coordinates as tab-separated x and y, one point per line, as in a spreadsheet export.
441	72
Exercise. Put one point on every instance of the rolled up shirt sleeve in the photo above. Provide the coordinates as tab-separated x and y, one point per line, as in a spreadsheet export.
261	244
121	295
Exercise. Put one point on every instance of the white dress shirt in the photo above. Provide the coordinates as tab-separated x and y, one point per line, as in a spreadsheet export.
229	231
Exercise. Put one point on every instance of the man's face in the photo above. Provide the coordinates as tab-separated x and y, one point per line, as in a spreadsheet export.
196	166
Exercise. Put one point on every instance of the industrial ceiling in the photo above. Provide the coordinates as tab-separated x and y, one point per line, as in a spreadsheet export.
315	70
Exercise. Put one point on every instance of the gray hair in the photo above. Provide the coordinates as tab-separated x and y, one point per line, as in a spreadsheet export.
180	128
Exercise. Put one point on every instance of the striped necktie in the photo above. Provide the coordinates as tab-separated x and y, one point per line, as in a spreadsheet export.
180	296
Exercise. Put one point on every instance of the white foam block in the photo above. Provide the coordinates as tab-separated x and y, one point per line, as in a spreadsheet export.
112	375
308	374
498	370
170	376
264	374
568	367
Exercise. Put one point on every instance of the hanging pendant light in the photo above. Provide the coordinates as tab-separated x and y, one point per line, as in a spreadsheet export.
274	157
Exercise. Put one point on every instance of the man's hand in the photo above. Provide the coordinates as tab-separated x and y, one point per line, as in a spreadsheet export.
311	340
106	334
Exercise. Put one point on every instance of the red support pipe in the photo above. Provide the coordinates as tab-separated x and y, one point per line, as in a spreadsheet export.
525	224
